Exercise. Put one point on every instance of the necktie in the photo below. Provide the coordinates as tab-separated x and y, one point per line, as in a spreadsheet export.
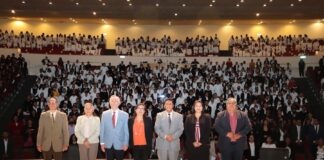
52	116
114	119
197	132
169	120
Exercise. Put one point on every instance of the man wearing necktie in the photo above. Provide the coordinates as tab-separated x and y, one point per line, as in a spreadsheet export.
114	134
53	133
232	125
169	128
6	146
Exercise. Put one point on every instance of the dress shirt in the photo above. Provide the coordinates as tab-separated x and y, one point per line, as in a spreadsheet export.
5	145
252	149
87	127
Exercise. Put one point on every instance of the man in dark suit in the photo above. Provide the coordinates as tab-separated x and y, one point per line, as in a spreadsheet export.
315	132
297	134
6	146
232	126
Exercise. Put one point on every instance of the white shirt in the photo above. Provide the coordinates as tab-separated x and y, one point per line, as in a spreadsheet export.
53	114
298	132
5	145
116	115
265	145
252	149
87	127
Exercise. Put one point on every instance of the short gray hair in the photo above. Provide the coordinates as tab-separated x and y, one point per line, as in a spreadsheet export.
231	100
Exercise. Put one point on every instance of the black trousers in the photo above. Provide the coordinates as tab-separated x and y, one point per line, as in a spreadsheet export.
141	152
112	153
234	152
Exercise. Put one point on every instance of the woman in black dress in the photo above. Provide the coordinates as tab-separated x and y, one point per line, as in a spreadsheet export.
197	133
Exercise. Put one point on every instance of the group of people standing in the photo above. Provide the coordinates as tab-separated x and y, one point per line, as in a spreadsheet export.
118	132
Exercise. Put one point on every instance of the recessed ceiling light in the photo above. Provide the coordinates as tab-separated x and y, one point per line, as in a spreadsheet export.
175	14
183	5
242	1
127	0
300	0
99	0
104	4
213	1
130	4
157	5
23	2
291	5
270	0
210	5
77	3
257	14
94	13
13	11
50	2
265	5
237	5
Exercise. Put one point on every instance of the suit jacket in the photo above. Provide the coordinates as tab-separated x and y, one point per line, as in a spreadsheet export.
294	134
53	134
94	129
190	127
162	129
222	126
148	132
10	148
118	136
313	135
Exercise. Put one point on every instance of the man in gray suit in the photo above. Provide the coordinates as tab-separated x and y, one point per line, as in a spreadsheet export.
53	133
169	128
232	125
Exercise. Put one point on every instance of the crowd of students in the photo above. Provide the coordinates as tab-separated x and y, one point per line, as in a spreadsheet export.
199	46
53	43
279	113
12	70
283	45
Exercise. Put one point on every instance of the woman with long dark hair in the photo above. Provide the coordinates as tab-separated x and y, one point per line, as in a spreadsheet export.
140	134
197	131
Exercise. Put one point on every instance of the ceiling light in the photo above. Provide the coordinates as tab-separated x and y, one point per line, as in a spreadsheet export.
23	2
13	11
237	5
175	14
213	1
264	5
104	4
300	0
130	4
242	1
133	20
50	2
291	5
99	0
94	13
210	5
270	0
77	3
157	5
127	0
257	14
183	5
